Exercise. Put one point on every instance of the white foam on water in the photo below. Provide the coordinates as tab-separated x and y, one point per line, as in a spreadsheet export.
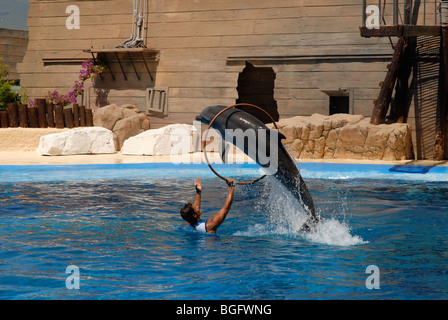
332	232
285	217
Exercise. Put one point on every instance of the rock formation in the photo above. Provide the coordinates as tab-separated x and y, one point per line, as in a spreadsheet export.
344	136
86	140
168	140
124	121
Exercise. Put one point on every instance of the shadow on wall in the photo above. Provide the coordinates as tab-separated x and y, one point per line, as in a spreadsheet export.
426	97
102	97
256	86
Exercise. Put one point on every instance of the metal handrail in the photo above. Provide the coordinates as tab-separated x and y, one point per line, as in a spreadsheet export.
402	17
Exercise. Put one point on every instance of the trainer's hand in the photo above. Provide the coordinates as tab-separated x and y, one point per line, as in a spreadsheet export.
198	184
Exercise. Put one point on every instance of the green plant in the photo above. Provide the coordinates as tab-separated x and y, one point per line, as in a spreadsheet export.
23	95
7	95
3	70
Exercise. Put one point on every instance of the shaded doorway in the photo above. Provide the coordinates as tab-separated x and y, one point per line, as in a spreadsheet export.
256	86
339	101
339	105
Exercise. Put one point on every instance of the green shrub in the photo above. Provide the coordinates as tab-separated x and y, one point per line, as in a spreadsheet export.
3	70
7	95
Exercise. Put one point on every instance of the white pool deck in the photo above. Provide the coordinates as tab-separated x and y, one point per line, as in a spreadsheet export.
18	147
33	158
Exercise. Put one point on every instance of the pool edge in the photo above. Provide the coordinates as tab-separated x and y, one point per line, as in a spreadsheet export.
33	158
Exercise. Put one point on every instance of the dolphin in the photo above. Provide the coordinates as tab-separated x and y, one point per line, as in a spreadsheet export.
286	170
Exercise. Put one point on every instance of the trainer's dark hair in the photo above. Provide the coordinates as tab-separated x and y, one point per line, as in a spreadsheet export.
187	213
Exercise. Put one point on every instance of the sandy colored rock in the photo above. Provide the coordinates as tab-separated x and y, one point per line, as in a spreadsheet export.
107	116
344	136
126	128
130	111
125	121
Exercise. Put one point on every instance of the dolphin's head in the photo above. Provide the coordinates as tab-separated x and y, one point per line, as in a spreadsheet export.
209	113
233	118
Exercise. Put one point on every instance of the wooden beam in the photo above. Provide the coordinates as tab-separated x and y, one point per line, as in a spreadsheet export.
122	50
270	60
400	31
387	87
403	93
407	11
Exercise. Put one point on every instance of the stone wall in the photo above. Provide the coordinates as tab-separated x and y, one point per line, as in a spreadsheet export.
343	136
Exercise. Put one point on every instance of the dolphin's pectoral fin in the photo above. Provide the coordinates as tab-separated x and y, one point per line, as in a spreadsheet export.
281	136
224	151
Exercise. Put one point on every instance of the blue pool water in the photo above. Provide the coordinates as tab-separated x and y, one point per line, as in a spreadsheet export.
120	225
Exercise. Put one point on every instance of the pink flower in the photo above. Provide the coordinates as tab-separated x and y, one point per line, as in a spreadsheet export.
88	70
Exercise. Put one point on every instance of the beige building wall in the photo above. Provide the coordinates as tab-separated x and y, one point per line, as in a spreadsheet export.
13	44
312	46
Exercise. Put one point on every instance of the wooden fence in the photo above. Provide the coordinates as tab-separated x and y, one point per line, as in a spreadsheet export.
46	115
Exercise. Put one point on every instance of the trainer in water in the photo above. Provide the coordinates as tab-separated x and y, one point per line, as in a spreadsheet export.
286	170
191	212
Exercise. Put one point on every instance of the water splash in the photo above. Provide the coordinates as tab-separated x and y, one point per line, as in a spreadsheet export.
285	217
333	232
